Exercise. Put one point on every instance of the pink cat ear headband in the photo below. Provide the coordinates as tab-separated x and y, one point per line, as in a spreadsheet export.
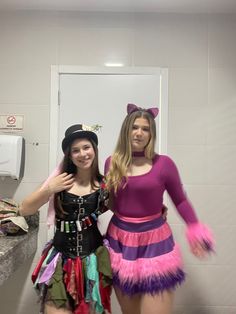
132	108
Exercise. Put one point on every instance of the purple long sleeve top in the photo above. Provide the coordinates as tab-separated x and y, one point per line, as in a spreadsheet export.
143	194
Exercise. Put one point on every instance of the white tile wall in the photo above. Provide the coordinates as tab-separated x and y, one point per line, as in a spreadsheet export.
220	165
25	84
83	41
188	87
222	44
172	41
215	203
36	121
221	87
29	39
192	125
199	51
190	160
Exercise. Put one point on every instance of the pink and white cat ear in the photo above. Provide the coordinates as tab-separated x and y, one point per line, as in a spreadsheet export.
153	111
131	108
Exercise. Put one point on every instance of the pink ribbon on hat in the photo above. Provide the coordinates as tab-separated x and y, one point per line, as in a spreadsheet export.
132	108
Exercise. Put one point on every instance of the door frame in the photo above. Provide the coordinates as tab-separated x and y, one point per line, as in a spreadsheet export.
57	70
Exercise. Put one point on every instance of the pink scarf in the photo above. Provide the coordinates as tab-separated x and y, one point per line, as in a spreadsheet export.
51	208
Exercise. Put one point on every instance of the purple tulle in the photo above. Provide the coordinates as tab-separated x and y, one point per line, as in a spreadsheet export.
153	285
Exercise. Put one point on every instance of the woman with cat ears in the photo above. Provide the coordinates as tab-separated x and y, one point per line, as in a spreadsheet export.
146	261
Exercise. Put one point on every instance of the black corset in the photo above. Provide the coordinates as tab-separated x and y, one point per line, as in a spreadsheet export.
76	232
78	244
72	204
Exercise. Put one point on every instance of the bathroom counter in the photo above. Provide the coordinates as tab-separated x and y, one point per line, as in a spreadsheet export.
15	250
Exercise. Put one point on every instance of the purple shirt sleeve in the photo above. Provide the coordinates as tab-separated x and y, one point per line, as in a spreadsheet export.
175	189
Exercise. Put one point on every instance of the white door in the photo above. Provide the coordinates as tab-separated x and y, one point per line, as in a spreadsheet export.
101	98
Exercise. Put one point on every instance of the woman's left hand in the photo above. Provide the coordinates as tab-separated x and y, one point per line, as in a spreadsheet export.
200	239
199	251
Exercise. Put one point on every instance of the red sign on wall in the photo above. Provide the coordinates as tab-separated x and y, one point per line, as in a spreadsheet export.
11	122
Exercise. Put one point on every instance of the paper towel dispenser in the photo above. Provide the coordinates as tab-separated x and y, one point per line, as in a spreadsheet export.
11	156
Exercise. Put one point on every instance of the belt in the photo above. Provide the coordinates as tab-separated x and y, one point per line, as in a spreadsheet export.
71	226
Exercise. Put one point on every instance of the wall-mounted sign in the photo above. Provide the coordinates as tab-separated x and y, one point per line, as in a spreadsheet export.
11	122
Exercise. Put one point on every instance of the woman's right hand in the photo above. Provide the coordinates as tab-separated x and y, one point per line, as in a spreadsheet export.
164	211
63	181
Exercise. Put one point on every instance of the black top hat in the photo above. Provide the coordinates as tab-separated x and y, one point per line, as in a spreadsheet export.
78	131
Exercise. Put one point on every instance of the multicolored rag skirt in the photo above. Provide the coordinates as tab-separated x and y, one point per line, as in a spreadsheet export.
144	256
79	284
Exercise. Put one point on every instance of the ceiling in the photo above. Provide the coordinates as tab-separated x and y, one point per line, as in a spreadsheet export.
162	6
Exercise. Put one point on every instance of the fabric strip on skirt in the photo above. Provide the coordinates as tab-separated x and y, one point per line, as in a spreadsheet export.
80	285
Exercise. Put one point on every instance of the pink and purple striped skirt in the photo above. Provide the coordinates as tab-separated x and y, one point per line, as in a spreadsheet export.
144	256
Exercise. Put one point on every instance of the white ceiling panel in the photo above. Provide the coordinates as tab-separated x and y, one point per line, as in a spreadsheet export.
167	6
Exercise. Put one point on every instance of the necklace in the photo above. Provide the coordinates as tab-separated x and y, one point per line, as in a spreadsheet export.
138	154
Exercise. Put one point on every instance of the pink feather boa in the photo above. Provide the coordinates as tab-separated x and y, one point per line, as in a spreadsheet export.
51	208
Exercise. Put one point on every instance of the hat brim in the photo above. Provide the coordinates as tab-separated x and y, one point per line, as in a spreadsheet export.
79	134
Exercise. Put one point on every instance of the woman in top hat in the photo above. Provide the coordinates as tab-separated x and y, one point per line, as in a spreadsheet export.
73	274
146	262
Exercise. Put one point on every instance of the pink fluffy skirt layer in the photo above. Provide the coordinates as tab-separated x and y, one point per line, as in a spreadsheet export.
144	256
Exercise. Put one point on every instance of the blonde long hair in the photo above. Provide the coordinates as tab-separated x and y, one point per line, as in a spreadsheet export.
122	156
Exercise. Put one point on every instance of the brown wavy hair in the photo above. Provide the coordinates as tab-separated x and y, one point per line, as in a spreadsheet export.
69	167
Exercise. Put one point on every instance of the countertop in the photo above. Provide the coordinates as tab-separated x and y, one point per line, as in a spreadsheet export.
15	250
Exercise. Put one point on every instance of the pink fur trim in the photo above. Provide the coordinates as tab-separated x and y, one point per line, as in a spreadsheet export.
139	238
199	233
51	209
146	267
